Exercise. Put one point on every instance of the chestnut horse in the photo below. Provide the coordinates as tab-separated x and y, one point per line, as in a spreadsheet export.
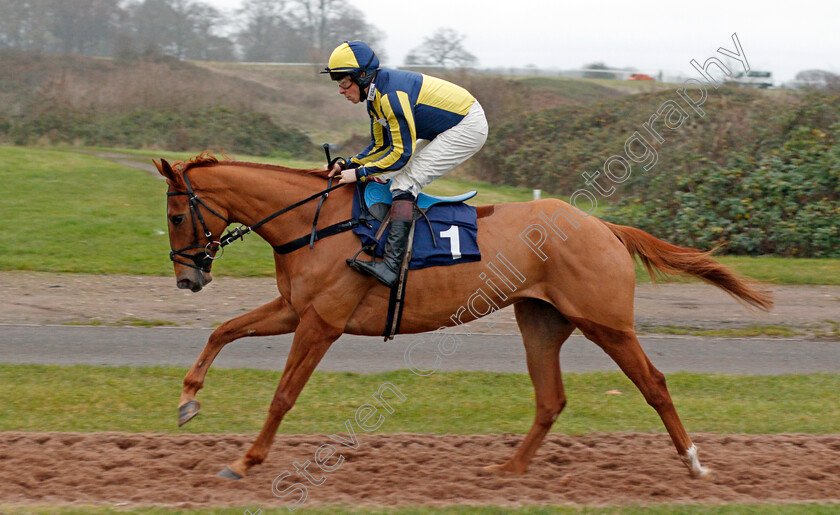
559	268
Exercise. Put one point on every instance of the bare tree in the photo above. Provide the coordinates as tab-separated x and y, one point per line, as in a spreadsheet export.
594	71
62	26
818	79
267	35
185	13
23	25
150	26
444	48
183	28
270	30
82	26
207	43
325	24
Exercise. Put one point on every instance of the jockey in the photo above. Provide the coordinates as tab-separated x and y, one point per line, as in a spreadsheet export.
421	128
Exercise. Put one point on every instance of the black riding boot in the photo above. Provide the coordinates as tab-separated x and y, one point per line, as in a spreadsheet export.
387	271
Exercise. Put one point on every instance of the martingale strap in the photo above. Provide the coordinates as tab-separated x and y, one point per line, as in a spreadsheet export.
317	214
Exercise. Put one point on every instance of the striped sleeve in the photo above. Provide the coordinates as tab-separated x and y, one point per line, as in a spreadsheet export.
377	147
399	116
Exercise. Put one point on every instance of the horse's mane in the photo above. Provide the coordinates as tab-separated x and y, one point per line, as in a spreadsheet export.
206	158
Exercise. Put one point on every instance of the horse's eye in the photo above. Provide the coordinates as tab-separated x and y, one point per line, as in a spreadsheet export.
176	219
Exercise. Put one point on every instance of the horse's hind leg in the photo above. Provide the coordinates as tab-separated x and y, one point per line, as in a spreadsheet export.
624	348
275	317
543	330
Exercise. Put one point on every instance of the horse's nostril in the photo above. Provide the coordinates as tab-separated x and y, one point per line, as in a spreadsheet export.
185	284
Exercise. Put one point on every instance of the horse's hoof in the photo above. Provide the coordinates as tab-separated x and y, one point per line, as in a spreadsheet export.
703	473
689	459
187	412
501	470
227	473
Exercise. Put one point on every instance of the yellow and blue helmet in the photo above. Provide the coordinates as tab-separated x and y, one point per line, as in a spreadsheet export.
353	58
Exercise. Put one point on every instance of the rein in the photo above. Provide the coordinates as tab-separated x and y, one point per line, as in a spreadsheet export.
203	260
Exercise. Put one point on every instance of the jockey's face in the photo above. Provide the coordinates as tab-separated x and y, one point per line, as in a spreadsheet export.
350	90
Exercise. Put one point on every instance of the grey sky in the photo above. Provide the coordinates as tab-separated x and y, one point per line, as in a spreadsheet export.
782	37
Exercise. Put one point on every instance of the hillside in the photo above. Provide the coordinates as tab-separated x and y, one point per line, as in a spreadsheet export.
550	148
758	172
160	102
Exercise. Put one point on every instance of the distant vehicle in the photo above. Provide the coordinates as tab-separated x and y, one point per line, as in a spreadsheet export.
640	76
753	79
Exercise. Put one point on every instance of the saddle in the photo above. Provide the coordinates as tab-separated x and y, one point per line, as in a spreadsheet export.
444	232
377	197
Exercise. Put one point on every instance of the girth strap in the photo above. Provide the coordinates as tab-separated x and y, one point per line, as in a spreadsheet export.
303	241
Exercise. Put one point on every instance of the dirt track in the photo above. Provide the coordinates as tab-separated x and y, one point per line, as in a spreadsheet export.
402	469
392	470
46	298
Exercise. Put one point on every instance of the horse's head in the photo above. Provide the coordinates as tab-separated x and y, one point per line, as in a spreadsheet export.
192	226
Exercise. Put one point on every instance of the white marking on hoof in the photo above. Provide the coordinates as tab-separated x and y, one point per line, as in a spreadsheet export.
690	460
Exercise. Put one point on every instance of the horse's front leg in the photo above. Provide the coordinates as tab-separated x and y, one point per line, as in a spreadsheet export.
275	317
312	339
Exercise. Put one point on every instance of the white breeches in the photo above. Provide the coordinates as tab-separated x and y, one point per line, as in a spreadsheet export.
433	159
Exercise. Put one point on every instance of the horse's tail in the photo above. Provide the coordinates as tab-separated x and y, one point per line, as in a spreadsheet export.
661	258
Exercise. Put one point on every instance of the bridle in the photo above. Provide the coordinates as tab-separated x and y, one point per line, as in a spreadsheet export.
203	260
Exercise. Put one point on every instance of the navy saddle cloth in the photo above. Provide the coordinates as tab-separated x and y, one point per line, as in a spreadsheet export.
453	223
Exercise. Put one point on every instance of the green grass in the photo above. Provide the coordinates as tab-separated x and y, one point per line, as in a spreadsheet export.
67	211
827	329
732	509
780	270
124	322
830	331
770	269
745	332
487	193
87	398
147	156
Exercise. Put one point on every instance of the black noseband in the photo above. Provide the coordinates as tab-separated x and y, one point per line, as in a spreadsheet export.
200	260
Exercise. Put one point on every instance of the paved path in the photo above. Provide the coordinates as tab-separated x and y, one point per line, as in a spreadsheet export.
502	353
34	307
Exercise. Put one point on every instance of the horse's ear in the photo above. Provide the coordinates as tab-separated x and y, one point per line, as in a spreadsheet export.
165	169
